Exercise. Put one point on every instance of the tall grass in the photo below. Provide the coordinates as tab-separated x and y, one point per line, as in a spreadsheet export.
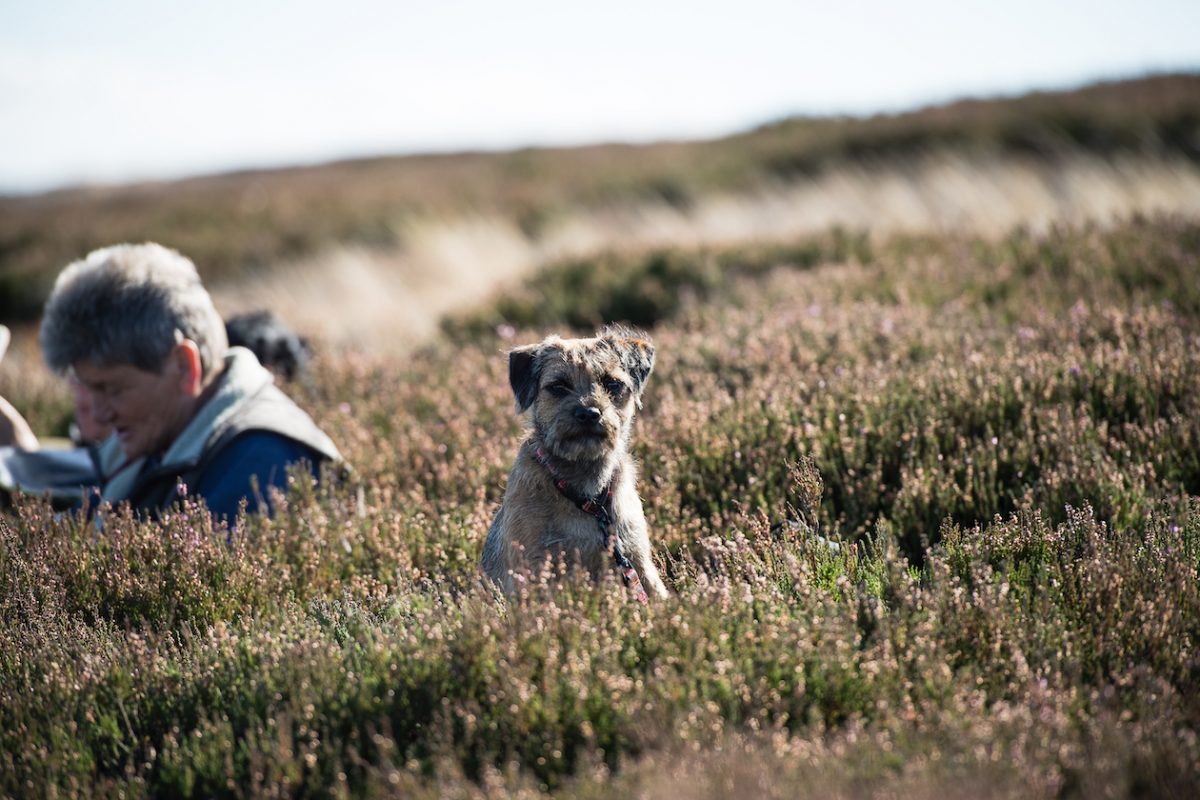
999	435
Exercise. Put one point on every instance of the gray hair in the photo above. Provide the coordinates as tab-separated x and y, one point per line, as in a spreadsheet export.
130	304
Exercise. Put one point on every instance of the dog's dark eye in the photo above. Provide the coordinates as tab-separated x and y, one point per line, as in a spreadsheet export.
559	389
614	387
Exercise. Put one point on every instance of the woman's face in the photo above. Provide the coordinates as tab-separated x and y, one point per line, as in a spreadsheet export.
147	410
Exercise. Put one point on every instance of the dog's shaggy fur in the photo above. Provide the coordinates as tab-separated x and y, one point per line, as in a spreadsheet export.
581	395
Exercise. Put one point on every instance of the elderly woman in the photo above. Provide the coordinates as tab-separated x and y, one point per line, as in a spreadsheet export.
135	328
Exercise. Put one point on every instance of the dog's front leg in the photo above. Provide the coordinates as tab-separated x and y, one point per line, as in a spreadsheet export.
636	544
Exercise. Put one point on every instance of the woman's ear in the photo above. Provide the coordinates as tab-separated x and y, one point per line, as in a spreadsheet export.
185	360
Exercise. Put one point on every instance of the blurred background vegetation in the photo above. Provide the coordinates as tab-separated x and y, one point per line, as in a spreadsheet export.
243	225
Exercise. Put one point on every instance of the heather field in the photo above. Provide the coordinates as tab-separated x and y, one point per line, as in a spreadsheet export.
927	506
920	458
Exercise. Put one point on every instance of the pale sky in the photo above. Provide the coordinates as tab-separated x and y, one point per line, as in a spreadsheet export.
115	90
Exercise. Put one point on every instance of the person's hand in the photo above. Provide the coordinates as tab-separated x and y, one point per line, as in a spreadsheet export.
14	430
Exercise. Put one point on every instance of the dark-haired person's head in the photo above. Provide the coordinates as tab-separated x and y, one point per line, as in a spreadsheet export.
278	347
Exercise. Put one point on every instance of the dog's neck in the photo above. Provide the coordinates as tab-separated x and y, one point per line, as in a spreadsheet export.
588	477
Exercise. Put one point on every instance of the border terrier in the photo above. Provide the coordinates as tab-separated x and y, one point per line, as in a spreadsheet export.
572	489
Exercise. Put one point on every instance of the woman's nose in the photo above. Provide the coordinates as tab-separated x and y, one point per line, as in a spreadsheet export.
102	410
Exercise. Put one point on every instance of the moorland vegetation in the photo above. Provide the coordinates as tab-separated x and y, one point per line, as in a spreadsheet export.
927	505
248	223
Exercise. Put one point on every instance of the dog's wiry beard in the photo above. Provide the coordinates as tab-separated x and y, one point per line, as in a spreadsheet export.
586	461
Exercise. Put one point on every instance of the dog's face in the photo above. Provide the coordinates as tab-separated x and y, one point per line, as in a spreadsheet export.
582	392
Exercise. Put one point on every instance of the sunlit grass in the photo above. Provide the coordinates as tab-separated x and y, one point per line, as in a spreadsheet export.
1001	437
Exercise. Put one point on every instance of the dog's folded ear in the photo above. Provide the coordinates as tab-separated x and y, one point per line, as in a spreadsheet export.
523	374
635	351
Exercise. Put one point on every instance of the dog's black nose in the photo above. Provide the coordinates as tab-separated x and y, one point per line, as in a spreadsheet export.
587	414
